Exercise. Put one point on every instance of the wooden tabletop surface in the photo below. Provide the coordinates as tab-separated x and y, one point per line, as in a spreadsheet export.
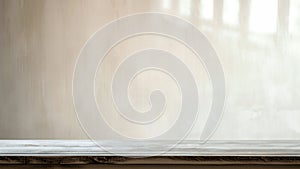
148	152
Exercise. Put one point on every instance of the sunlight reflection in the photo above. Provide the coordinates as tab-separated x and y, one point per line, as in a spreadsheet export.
166	4
294	17
207	9
185	7
231	12
263	16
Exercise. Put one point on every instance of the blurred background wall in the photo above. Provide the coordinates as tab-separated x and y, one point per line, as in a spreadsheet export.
257	42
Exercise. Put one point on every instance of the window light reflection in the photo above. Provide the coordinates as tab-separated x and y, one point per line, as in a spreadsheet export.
166	4
185	7
263	16
207	9
294	17
231	12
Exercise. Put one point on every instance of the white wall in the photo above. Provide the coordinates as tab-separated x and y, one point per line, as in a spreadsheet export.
41	39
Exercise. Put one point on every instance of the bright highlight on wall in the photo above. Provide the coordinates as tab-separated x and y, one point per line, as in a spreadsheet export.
294	17
263	16
166	4
231	12
207	9
185	7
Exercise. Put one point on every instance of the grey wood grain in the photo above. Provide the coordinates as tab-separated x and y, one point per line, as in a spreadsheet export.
148	152
148	148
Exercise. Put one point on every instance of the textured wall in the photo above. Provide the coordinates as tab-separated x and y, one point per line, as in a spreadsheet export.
41	39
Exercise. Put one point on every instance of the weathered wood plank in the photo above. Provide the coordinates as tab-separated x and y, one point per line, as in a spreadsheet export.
193	160
148	152
147	148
